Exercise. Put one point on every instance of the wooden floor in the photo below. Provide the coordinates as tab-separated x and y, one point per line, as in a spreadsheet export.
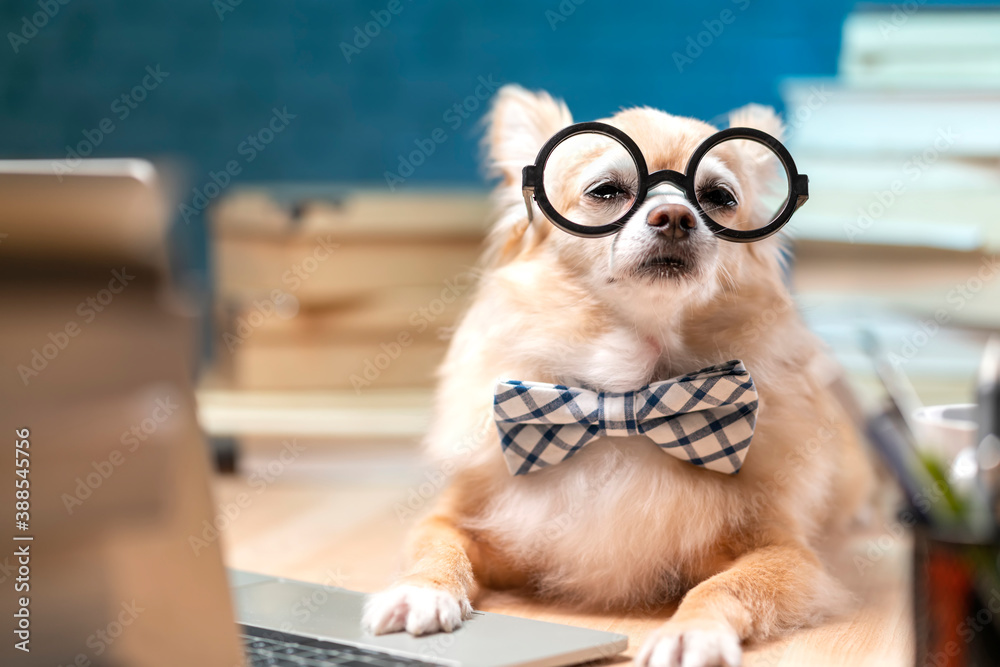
329	518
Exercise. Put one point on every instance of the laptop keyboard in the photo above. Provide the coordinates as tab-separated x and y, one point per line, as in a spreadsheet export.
280	649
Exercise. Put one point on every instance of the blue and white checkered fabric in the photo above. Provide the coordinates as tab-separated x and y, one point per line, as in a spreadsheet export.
706	418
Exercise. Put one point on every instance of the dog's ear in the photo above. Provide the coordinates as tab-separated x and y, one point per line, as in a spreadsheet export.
758	117
519	124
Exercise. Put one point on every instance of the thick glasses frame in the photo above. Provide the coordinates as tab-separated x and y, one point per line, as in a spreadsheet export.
533	185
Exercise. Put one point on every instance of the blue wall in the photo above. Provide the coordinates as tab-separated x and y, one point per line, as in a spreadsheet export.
229	69
355	118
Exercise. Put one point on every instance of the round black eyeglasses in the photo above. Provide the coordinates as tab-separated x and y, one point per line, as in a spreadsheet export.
614	194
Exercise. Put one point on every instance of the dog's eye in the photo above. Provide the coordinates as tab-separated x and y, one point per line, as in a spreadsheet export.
606	192
716	197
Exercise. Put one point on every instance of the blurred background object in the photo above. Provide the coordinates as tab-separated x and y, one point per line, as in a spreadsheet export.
362	282
109	469
903	152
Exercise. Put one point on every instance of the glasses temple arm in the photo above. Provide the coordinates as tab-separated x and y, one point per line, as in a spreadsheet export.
528	188
801	190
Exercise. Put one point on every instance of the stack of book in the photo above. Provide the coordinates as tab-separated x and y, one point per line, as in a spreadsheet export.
326	288
903	147
902	228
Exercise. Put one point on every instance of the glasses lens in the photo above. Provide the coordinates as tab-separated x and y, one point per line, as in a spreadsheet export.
590	179
742	184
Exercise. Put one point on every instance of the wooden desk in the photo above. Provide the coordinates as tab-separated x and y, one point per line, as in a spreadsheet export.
330	520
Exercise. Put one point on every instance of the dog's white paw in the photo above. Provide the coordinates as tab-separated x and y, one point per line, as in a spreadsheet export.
679	645
417	609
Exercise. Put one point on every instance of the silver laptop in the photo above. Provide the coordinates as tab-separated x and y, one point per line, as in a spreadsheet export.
95	337
264	604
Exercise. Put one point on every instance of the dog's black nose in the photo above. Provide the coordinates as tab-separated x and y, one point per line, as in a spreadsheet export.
672	220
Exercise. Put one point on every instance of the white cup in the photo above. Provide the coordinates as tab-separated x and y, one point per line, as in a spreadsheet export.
945	430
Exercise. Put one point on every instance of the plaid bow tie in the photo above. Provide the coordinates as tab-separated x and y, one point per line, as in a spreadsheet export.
706	418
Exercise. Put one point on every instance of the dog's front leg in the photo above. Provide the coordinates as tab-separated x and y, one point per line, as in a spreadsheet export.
770	589
435	592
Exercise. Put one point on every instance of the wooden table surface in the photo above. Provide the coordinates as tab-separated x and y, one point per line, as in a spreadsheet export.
329	518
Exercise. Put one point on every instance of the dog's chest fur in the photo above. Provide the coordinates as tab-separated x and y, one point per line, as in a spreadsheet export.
621	523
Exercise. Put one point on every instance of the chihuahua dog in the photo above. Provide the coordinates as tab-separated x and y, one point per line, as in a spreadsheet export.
622	525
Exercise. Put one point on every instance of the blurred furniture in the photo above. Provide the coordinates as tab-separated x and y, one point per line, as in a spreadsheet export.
348	291
100	352
335	306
